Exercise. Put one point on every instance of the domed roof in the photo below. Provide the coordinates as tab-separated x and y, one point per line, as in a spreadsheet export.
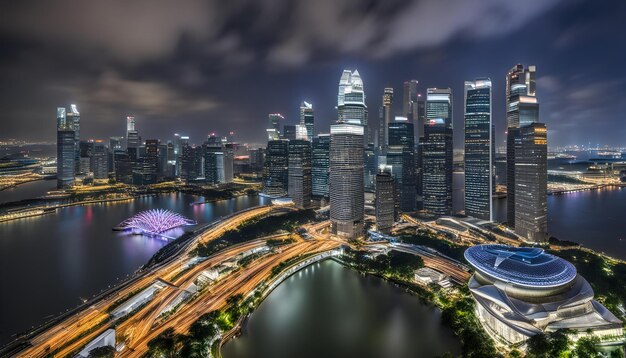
525	266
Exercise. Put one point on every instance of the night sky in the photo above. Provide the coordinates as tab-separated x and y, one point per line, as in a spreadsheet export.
195	67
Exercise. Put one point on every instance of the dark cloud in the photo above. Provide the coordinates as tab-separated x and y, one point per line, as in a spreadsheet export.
198	66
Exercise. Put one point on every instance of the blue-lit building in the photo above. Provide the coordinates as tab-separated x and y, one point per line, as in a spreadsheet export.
320	164
479	166
307	119
401	155
275	168
524	291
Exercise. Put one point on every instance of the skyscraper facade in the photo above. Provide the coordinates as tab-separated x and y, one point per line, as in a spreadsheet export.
273	129
73	119
531	182
409	100
351	106
100	160
401	155
299	171
479	167
289	131
275	168
385	206
346	180
132	136
436	152
386	118
66	150
307	119
521	109
320	164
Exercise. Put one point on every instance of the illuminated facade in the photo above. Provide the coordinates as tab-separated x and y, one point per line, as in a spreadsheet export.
351	106
307	119
66	150
273	130
520	292
320	166
531	182
436	152
275	168
521	109
347	197
479	167
385	203
299	172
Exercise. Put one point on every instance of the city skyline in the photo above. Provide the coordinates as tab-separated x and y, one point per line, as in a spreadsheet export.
191	91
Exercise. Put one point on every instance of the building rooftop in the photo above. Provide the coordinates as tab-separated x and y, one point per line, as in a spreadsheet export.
523	266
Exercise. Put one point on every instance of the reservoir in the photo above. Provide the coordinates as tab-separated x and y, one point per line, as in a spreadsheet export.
327	310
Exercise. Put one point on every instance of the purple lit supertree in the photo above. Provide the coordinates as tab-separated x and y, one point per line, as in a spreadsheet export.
154	221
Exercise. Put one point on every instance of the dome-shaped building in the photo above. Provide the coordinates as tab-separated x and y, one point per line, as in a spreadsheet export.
520	292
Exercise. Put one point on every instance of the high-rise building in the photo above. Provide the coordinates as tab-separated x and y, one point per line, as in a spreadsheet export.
320	165
191	163
370	162
66	150
436	152
150	168
385	205
273	129
479	150
346	179
275	169
300	185
351	106
289	132
123	167
409	100
218	161
301	132
531	182
73	118
386	113
86	152
401	155
100	160
132	136
521	109
307	119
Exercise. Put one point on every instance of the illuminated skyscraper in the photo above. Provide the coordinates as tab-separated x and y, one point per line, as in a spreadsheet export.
385	204
273	130
436	152
73	119
531	182
66	150
300	172
320	165
275	168
100	160
132	136
409	100
522	109
346	179
307	119
479	167
386	118
351	108
401	156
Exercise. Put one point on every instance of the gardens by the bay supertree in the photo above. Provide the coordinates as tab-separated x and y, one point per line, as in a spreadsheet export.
154	222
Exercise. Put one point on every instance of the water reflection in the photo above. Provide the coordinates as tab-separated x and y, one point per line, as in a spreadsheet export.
330	311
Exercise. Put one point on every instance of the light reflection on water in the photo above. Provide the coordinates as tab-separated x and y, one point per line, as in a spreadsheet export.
327	310
49	262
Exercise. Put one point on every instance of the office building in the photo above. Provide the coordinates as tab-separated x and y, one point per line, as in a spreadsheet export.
522	109
289	132
123	167
132	135
351	108
370	161
86	152
436	152
320	165
307	119
386	117
100	160
385	204
66	150
299	171
275	168
73	119
401	156
273	129
523	291
346	179
531	182
479	150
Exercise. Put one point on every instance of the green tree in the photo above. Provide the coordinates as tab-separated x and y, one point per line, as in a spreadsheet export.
586	347
167	344
538	346
102	352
